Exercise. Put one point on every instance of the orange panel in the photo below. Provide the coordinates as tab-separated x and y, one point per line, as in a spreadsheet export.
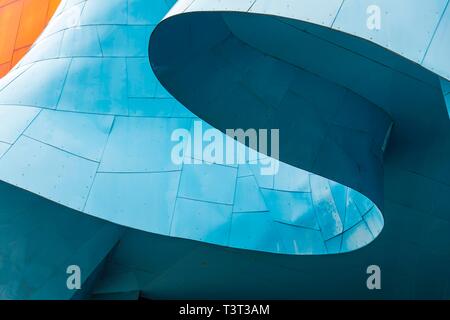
21	23
32	22
4	68
52	6
18	54
5	2
9	24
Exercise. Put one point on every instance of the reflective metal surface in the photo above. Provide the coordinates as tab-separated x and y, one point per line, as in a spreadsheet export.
85	141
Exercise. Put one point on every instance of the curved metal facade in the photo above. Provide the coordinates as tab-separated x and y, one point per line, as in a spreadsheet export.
427	21
85	131
95	135
371	99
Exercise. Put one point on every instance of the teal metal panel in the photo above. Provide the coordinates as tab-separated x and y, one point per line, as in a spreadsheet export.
248	197
80	42
333	245
91	65
301	241
45	93
80	134
200	5
138	138
374	221
321	12
37	246
198	183
265	234
436	58
95	12
124	40
67	18
352	214
356	237
14	120
290	179
48	48
141	13
108	96
66	179
141	201
291	208
3	148
142	84
339	193
202	221
398	19
326	210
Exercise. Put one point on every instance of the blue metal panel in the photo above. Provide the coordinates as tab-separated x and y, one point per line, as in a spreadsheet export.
439	49
80	134
142	201
203	221
68	4
136	93
154	107
161	92
141	84
290	178
146	142
12	75
292	208
248	197
264	181
374	221
445	86
180	6
200	5
3	148
356	237
68	18
66	179
124	41
136	184
447	101
107	96
301	241
264	232
339	193
14	120
81	42
329	219
352	214
334	244
47	48
397	18
244	171
95	12
318	11
362	203
43	93
199	182
139	12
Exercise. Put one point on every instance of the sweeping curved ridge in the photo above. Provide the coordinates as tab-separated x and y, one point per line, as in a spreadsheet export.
57	131
86	124
335	89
